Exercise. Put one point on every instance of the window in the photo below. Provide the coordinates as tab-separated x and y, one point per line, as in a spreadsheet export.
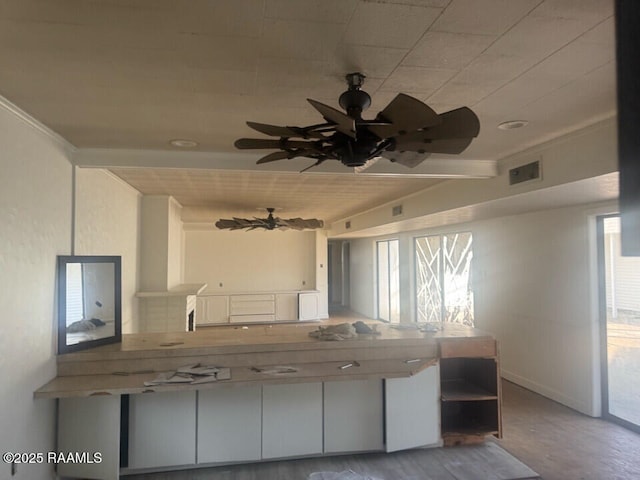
443	278
388	281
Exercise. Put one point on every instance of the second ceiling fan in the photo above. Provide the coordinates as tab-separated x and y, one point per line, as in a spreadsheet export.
406	131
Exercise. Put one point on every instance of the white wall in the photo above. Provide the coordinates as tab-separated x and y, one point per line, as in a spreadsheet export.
107	223
35	226
162	237
250	261
363	277
320	271
534	277
175	244
335	279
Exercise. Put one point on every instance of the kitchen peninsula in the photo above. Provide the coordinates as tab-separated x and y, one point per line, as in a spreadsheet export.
288	395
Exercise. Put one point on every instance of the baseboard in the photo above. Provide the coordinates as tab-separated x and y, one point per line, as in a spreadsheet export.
551	393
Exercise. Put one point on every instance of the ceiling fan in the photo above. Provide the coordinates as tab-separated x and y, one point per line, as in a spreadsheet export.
269	223
406	132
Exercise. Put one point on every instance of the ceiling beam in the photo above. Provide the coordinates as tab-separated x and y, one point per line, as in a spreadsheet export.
451	167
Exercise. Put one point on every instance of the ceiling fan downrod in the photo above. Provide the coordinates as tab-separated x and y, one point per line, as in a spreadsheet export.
355	101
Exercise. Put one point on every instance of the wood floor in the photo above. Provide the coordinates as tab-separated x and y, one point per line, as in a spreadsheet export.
562	444
475	462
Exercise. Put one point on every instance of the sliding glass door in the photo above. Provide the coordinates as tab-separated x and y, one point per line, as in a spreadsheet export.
388	260
620	319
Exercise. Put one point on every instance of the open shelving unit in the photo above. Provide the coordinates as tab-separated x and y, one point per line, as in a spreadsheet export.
470	398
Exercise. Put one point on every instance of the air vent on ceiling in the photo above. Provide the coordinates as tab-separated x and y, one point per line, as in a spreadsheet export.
397	210
524	173
347	224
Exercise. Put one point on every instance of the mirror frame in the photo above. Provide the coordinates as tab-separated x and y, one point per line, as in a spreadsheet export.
63	260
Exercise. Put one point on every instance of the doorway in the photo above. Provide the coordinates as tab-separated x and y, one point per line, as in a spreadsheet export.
619	281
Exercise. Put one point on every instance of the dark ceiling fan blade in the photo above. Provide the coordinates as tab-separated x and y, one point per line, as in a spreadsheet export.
282	144
232	224
458	123
240	220
272	130
301	223
344	123
321	160
272	157
421	143
301	152
406	158
406	114
252	143
287	132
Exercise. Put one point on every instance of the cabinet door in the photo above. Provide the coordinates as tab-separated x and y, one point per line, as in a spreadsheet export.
162	429
353	416
287	306
308	306
412	410
212	309
291	420
90	425
229	424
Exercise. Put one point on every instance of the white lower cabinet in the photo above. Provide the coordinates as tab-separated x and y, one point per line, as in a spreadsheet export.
248	423
229	424
309	306
162	429
286	306
353	416
291	420
412	410
212	309
90	425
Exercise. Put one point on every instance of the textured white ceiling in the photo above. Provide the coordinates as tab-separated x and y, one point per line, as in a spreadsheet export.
136	74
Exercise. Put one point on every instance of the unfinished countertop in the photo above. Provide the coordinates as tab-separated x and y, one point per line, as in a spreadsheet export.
249	352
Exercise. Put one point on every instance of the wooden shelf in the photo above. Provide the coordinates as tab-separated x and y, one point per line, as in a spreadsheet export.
470	416
469	437
464	391
480	430
470	399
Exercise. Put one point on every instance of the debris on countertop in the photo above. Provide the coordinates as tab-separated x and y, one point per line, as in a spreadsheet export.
362	327
342	331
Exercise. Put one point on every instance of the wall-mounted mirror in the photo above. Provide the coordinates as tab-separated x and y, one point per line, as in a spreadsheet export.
89	302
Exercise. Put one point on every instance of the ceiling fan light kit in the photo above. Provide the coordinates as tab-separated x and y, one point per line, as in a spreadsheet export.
269	223
406	131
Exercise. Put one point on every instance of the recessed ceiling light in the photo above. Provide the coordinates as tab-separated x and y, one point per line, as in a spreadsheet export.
511	124
182	143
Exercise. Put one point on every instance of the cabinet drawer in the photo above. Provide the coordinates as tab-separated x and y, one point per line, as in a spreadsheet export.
467	347
253	308
251	318
264	297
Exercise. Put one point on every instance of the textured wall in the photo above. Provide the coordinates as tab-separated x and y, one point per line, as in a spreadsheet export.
35	226
107	223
